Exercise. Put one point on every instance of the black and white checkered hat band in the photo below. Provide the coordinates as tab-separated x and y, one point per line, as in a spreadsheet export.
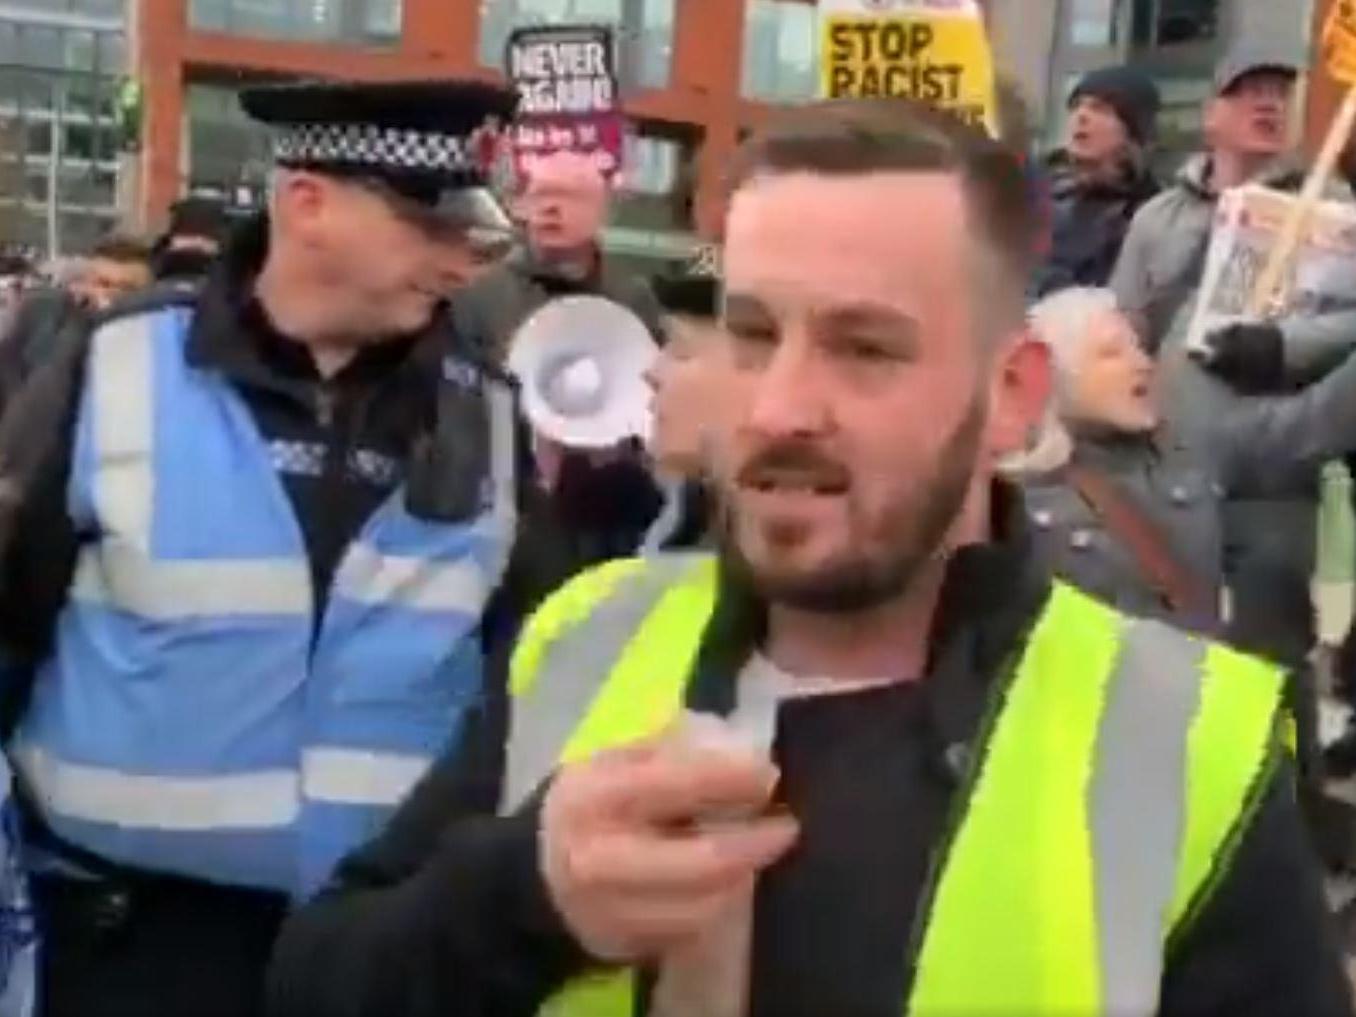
368	144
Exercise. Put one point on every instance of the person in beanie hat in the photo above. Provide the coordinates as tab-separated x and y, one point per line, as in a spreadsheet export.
1123	92
1100	178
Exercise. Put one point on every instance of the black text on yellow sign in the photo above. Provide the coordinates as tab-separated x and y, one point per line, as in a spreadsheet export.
897	58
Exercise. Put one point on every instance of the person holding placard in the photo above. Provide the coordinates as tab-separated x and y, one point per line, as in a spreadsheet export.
1270	516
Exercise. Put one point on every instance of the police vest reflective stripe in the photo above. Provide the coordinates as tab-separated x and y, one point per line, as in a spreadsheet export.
193	717
1106	790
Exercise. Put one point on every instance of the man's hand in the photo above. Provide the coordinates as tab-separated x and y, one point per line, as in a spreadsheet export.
1250	356
645	847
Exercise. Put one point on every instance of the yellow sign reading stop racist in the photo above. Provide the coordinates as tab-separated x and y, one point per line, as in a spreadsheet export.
1339	41
933	50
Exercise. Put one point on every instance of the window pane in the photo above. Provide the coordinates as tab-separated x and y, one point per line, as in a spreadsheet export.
1142	31
37	137
79	142
1093	23
9	43
1184	21
656	186
780	59
381	20
79	50
99	8
40	47
358	21
52	6
112	56
208	15
650	165
35	91
225	148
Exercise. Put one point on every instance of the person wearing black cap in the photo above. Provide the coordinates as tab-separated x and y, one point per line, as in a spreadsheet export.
1100	178
192	242
683	403
247	549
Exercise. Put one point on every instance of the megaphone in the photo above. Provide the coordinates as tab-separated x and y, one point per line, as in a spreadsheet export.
580	362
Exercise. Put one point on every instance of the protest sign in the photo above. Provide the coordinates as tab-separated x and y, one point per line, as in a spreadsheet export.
1339	54
1249	222
936	51
567	94
1339	41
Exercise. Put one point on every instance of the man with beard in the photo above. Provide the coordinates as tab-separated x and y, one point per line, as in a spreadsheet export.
870	760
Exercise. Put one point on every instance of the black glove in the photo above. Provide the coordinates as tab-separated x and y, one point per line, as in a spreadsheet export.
1249	355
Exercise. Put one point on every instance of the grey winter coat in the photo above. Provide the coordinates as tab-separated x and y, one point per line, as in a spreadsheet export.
1163	259
1270	517
1182	487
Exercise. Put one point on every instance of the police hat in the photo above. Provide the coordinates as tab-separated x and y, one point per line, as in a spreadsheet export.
694	292
417	137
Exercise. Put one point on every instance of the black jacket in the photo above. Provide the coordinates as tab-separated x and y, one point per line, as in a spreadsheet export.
445	915
44	322
1088	225
488	313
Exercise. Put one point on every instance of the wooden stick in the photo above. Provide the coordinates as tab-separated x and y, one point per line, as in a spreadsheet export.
1269	293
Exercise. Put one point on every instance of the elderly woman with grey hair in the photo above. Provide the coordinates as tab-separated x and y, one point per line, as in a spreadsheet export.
1121	508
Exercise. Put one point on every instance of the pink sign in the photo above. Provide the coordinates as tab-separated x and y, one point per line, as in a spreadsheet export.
567	95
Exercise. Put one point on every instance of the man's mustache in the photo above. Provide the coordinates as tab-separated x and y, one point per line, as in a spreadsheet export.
793	460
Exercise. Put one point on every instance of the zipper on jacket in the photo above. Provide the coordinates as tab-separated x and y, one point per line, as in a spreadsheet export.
331	481
325	399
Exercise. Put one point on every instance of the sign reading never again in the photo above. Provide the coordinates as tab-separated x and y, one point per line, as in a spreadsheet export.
566	81
935	51
564	71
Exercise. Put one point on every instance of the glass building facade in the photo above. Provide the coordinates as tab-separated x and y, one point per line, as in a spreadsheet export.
228	154
356	22
1176	41
781	51
61	64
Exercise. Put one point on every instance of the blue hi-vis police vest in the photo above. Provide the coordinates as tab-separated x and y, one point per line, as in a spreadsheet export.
191	719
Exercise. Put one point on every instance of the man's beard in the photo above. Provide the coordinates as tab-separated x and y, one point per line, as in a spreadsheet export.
855	581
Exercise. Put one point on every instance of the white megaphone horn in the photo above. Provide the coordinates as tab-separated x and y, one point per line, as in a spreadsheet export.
581	362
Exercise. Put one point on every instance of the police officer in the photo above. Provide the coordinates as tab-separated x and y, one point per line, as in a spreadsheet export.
959	788
249	541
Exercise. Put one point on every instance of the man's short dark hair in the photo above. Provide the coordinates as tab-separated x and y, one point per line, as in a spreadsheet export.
852	137
121	247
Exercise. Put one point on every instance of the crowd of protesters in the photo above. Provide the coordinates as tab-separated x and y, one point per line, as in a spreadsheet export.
262	507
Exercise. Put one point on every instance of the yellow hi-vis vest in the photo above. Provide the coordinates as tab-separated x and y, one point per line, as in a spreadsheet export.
1106	792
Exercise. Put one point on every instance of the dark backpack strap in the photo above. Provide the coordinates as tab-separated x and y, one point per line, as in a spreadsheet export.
1146	541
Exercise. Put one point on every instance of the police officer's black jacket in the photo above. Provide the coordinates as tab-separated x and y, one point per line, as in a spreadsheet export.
445	915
